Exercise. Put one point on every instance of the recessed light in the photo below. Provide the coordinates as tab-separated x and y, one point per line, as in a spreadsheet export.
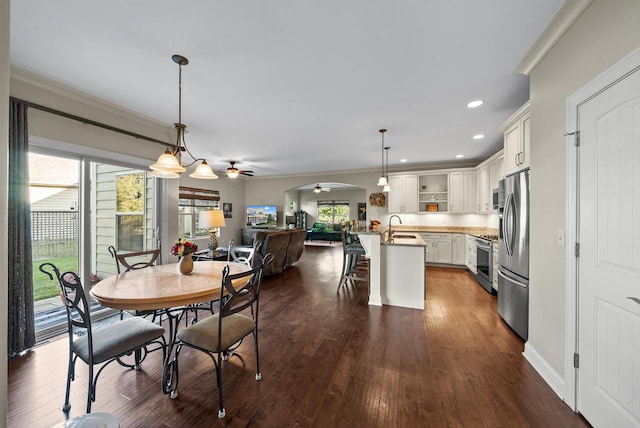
459	156
478	137
475	103
403	160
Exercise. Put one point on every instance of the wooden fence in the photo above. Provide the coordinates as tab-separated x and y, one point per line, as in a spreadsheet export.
54	234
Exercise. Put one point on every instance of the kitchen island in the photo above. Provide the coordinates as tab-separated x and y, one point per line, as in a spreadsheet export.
397	275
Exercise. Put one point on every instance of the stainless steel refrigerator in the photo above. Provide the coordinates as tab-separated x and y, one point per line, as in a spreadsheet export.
513	253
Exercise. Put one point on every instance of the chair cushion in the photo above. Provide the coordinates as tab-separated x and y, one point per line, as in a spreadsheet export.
356	249
117	339
204	334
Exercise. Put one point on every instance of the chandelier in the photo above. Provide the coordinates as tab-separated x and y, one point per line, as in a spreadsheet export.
383	178
169	164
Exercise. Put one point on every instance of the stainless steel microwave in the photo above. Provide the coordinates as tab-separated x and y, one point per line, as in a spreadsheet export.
497	196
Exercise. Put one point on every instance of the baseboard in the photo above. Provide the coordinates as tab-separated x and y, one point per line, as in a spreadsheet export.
553	379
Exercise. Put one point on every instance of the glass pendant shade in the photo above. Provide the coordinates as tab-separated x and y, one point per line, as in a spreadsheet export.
382	181
203	171
387	188
167	162
160	174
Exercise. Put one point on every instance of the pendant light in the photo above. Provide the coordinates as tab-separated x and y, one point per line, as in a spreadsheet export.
383	179
169	164
387	187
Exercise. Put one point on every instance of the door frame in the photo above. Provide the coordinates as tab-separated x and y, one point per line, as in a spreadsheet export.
625	67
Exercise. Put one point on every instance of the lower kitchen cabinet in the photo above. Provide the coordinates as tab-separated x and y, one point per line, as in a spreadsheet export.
471	254
439	247
457	253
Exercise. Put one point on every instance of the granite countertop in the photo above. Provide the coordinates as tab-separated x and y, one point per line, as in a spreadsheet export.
382	231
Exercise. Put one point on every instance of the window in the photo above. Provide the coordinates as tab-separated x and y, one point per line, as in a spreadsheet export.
333	211
130	197
192	201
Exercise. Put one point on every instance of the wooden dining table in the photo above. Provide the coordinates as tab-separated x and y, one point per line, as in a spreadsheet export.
163	288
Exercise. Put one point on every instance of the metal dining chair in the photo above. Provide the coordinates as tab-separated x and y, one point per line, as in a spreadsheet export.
133	336
221	334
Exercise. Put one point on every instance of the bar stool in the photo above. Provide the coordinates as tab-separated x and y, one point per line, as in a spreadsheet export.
352	253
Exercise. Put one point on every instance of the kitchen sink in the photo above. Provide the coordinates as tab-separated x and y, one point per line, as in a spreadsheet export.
403	236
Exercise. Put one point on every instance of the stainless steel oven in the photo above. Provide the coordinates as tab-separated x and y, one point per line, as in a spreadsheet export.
484	275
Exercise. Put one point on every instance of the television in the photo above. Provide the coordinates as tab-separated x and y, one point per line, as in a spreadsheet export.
262	216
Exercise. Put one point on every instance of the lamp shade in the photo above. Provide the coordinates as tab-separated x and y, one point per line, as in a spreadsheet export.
210	219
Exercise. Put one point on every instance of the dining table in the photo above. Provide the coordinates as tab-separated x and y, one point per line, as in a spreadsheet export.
164	289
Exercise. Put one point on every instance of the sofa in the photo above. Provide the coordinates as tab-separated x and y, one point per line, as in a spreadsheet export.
324	232
285	245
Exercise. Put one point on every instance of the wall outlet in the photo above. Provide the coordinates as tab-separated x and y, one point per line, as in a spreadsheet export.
560	238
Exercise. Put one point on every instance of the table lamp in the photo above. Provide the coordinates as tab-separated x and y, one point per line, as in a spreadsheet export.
211	219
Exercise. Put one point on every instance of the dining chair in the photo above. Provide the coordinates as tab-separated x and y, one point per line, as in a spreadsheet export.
134	336
221	334
134	261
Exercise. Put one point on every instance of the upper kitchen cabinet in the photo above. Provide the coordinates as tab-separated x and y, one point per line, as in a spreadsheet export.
517	138
403	197
490	172
463	192
433	192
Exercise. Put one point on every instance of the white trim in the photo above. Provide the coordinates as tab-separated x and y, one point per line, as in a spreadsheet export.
559	25
39	81
624	66
59	148
552	377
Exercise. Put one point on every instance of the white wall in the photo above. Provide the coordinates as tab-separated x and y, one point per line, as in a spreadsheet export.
605	33
4	147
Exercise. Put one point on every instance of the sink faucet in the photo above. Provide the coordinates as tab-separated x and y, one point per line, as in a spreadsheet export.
390	218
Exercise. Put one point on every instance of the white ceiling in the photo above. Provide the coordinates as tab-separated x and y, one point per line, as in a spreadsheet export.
297	86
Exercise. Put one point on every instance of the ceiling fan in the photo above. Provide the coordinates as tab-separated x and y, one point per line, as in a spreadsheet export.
233	172
319	189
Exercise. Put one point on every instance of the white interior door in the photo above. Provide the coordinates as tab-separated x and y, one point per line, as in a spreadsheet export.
609	262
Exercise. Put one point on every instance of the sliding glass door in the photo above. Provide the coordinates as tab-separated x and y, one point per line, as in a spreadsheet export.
80	207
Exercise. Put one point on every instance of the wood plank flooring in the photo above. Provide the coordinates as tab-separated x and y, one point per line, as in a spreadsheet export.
328	360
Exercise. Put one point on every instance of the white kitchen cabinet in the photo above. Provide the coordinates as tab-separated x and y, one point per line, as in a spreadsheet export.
433	192
458	248
456	192
439	247
471	204
490	172
517	140
403	197
471	252
484	190
496	173
463	192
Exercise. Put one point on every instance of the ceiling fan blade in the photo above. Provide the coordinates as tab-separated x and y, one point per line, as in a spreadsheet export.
247	173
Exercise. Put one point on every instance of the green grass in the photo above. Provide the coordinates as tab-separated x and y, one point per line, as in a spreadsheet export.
43	288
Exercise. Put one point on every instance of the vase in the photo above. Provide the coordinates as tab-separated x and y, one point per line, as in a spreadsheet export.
185	265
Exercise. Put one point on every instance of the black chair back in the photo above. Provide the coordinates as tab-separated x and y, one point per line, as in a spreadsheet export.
125	259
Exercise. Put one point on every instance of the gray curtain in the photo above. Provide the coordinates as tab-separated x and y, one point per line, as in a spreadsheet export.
21	334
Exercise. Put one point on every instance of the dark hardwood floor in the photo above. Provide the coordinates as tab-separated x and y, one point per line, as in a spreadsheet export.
328	360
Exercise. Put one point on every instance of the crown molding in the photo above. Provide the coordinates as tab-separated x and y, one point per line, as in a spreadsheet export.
559	25
83	98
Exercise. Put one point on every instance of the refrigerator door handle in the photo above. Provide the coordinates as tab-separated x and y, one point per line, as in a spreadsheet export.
507	224
521	284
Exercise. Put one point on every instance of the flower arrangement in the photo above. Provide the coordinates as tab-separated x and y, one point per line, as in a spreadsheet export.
182	247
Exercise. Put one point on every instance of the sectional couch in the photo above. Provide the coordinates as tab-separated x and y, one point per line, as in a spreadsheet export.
285	245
